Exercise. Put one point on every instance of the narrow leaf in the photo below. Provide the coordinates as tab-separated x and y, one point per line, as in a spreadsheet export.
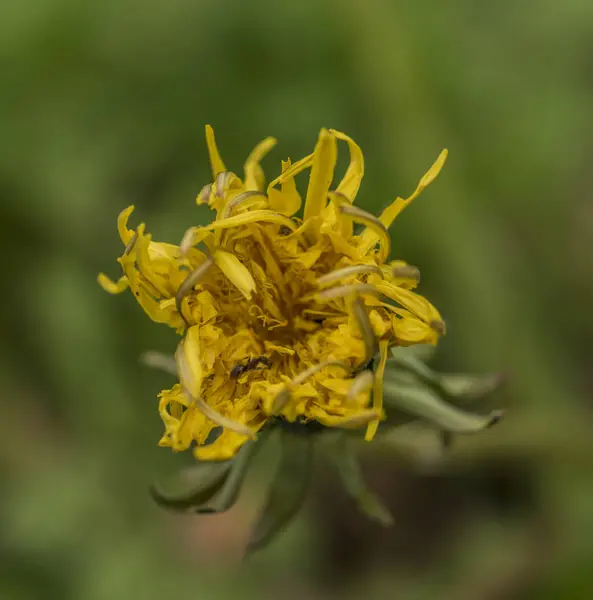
229	492
426	404
287	491
350	472
192	487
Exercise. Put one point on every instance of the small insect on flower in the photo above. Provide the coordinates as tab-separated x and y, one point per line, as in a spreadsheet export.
250	365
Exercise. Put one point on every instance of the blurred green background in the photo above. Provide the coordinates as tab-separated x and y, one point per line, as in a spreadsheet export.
103	104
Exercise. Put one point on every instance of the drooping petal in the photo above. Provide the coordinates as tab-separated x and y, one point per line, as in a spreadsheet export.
254	174
350	183
415	303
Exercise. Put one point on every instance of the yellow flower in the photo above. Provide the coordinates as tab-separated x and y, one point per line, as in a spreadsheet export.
282	317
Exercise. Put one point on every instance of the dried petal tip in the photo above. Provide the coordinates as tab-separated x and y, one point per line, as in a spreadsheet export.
439	326
495	418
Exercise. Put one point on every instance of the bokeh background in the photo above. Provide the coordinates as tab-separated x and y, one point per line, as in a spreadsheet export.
103	104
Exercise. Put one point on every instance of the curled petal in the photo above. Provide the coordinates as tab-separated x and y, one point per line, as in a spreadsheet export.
350	184
254	174
113	287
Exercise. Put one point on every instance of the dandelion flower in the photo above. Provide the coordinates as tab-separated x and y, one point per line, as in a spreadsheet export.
284	318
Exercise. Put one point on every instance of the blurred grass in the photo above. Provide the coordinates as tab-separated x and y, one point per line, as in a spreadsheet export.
104	104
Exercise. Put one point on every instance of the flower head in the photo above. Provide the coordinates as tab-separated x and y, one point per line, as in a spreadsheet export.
283	318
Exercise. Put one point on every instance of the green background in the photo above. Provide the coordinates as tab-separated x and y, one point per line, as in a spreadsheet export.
103	104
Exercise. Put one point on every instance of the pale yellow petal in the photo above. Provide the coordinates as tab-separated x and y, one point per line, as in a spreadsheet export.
113	287
254	174
322	174
215	160
236	272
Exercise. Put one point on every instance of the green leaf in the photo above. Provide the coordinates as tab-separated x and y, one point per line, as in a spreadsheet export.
427	405
350	472
209	487
455	386
470	387
229	492
287	491
193	486
420	352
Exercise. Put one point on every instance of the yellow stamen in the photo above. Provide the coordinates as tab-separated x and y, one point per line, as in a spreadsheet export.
378	390
189	282
346	272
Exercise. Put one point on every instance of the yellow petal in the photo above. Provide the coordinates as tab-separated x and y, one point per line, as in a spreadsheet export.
113	287
351	182
122	221
215	159
254	174
322	174
391	212
236	272
293	170
378	390
368	239
189	363
287	200
409	330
